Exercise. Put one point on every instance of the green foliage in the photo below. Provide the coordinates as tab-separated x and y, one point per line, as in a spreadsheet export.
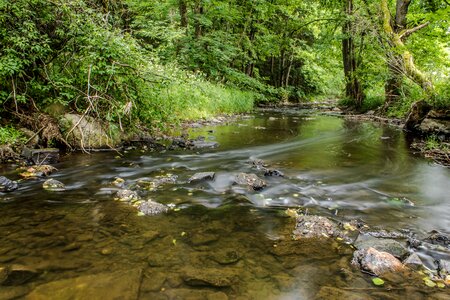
11	136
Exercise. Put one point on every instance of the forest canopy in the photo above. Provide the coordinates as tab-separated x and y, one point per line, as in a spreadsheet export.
152	62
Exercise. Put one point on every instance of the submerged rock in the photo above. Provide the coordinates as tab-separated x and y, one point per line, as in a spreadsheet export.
17	274
226	257
37	171
386	245
53	185
151	208
7	185
250	180
117	285
376	262
202	176
316	227
328	292
217	278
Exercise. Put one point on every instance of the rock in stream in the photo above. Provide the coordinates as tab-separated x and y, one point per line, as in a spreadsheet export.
376	262
250	180
7	185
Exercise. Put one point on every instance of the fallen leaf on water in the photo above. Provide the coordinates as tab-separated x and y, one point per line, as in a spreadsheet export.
440	285
174	242
183	233
377	281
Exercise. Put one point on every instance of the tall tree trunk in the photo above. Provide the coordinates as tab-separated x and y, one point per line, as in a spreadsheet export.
400	60
183	13
198	14
288	72
353	89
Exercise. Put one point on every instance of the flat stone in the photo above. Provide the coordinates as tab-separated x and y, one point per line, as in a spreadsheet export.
376	262
42	156
202	176
200	239
153	282
250	180
226	257
315	227
149	236
327	293
217	278
7	185
151	208
386	245
216	296
116	285
13	292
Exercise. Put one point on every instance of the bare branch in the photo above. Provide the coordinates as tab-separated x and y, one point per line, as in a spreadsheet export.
408	32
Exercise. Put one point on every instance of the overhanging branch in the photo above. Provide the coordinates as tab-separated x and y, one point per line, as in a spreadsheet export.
404	34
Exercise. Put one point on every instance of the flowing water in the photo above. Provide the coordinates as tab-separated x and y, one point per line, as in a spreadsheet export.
238	240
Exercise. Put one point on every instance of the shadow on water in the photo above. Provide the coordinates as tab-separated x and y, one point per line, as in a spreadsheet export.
222	240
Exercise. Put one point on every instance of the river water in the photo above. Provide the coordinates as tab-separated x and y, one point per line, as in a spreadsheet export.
237	238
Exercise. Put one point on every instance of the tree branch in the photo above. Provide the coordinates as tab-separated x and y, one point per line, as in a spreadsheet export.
404	34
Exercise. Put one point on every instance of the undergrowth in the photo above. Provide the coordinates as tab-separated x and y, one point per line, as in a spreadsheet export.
11	136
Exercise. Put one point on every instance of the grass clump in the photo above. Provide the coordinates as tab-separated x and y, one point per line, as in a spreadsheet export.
11	136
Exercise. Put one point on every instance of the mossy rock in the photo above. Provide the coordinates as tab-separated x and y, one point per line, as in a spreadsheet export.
88	133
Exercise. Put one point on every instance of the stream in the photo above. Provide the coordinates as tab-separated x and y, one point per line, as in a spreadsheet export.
220	240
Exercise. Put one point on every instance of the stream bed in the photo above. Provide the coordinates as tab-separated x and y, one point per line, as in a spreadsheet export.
220	240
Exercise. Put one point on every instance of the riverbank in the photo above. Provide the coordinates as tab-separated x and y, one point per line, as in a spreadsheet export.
432	142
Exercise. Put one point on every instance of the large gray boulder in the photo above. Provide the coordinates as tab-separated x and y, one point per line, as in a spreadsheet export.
84	132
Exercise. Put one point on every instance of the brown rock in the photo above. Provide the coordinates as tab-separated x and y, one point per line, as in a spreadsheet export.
376	262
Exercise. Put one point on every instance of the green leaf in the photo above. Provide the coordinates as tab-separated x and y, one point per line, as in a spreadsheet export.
377	281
